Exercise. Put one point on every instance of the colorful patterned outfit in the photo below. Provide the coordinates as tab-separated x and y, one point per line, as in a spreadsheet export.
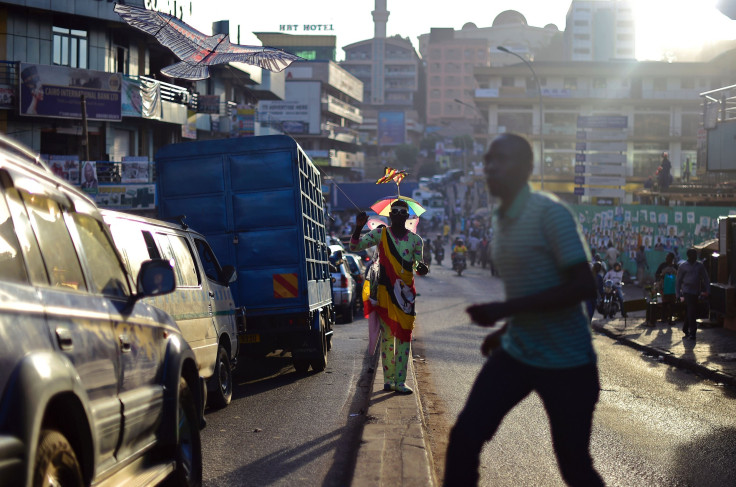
395	297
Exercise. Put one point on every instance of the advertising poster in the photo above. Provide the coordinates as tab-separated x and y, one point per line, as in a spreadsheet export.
243	121
89	177
134	169
391	128
132	102
56	91
65	167
126	196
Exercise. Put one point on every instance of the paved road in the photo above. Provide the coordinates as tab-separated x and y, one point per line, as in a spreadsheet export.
655	424
286	429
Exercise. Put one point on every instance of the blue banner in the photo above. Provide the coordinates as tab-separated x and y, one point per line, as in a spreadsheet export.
391	128
56	91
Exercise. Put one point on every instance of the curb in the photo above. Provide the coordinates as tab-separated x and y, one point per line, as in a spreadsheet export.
394	448
669	358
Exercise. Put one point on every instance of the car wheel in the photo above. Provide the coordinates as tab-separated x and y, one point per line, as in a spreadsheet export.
347	314
320	363
188	445
56	462
301	365
222	380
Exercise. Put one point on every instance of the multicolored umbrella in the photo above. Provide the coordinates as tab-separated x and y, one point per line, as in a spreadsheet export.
383	206
197	51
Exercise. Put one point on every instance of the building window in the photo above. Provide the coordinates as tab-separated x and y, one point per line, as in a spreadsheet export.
507	81
582	37
570	83
688	83
580	23
122	59
660	84
70	47
599	83
581	51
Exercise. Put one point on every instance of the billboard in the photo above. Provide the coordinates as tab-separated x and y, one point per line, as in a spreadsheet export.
56	91
391	128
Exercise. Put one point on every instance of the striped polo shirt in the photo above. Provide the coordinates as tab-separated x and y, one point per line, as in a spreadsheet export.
534	244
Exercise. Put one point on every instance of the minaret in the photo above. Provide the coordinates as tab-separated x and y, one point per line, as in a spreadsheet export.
380	17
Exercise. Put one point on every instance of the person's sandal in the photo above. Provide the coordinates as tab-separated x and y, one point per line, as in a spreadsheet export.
403	389
388	386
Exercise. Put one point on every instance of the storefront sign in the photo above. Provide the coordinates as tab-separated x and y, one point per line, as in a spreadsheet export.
57	91
134	169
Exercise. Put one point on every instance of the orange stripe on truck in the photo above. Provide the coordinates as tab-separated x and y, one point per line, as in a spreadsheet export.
285	285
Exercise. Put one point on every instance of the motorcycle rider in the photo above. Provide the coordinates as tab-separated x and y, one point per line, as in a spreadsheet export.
616	275
459	250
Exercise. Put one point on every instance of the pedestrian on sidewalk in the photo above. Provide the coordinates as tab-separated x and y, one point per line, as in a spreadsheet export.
692	282
546	344
642	267
666	283
399	255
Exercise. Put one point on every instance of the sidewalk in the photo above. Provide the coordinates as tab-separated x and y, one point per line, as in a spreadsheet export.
394	451
712	354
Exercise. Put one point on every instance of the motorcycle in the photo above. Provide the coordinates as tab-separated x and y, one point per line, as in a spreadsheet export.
439	254
609	305
458	264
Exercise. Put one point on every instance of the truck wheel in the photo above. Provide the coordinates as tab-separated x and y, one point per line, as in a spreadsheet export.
301	365
320	363
347	314
222	381
56	462
188	471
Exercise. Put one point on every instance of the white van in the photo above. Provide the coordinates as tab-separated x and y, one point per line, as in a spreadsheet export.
202	303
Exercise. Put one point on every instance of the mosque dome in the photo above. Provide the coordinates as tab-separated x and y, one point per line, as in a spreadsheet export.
469	26
509	17
551	27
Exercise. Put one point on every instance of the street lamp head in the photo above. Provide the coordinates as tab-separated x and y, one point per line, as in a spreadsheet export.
503	49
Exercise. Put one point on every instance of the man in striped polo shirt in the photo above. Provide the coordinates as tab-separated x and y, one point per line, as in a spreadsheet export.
546	345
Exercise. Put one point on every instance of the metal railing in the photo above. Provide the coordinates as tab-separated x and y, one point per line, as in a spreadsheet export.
719	105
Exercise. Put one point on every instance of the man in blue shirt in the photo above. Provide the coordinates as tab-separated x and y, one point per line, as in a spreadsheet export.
692	282
545	345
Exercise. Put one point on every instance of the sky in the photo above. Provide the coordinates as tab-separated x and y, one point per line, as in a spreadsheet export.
661	25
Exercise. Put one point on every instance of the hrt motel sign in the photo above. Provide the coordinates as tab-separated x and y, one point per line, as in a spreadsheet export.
306	27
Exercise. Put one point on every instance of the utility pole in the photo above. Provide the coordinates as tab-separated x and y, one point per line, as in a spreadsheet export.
541	113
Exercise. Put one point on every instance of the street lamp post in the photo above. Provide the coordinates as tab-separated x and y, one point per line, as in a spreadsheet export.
541	113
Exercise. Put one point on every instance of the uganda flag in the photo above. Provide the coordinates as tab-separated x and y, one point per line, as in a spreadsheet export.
391	174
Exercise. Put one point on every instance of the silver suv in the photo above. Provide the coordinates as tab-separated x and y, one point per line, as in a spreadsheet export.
96	386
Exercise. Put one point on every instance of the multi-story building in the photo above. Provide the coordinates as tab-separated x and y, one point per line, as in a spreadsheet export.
321	110
321	104
659	103
60	61
393	92
450	56
600	30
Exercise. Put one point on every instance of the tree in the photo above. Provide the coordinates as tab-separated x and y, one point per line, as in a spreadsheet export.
406	155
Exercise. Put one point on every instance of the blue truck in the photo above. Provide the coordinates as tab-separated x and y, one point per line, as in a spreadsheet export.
258	201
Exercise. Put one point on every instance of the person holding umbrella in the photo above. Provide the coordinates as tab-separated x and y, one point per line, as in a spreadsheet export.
399	255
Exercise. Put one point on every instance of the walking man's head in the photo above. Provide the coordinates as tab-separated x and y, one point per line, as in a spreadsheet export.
692	255
507	165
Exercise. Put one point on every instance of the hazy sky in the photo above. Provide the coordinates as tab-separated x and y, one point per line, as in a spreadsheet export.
660	24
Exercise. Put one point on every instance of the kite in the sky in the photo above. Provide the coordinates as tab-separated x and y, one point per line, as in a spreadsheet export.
196	50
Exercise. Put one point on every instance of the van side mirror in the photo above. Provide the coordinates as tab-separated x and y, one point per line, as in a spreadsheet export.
155	278
228	274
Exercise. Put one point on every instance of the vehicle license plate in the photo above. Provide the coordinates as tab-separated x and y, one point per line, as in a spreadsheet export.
250	338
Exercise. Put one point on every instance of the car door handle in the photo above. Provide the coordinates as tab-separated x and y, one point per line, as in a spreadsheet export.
64	337
124	343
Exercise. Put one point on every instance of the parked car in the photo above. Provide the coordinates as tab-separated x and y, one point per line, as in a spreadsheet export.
96	385
343	285
202	304
357	270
